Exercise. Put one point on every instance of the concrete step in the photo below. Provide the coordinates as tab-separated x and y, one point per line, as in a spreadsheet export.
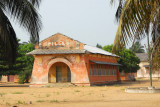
59	85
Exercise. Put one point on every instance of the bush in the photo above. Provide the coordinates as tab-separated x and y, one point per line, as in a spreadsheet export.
21	79
25	76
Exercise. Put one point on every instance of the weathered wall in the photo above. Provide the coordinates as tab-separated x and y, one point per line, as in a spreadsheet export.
4	78
127	76
79	65
102	78
144	72
60	41
43	63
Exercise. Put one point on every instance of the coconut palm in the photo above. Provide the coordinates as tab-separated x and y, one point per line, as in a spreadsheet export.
137	18
24	12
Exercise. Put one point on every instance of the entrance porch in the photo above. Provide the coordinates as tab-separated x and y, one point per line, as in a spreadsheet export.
59	73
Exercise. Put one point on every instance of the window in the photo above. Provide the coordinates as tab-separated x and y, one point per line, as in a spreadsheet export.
111	70
103	69
90	70
94	70
107	70
115	70
99	69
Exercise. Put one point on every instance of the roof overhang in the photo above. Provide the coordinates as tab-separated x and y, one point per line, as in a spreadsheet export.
105	63
50	52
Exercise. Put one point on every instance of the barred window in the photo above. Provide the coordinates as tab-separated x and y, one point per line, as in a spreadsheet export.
103	69
115	71
99	69
108	70
111	70
90	70
94	70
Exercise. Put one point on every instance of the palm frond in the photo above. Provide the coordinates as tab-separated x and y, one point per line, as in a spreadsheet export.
35	2
136	18
26	14
8	44
134	21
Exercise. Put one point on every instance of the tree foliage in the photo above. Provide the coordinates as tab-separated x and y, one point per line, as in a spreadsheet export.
129	61
108	48
99	46
23	64
137	48
25	13
10	69
29	60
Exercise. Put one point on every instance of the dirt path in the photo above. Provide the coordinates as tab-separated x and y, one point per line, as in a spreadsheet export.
102	96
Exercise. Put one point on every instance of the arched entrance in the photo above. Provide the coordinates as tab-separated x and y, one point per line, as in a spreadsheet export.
59	72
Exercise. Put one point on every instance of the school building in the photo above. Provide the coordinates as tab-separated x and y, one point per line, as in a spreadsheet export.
61	59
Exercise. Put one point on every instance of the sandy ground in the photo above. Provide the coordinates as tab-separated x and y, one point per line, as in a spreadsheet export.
97	96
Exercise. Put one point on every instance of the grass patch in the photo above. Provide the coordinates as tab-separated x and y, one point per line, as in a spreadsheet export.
123	89
18	93
21	102
77	91
64	100
7	103
54	101
116	85
1	94
139	78
48	86
58	93
48	95
40	101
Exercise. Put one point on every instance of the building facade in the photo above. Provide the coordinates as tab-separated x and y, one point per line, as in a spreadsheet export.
62	59
144	67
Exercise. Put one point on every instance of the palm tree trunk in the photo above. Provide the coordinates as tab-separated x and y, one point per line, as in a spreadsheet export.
149	58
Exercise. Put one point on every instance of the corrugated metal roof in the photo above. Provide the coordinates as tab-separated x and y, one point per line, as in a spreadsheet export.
49	51
105	63
142	56
96	50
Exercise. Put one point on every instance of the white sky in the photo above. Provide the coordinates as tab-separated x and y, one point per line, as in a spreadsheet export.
89	21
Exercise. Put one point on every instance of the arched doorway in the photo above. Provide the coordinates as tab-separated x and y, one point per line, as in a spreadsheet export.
59	72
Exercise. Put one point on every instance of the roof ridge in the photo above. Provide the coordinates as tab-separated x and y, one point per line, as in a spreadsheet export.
59	34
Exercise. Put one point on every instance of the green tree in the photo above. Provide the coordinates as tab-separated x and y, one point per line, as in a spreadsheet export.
137	48
25	74
99	46
11	69
129	61
108	48
25	13
22	66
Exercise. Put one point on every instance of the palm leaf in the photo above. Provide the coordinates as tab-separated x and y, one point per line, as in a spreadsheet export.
135	19
24	12
8	38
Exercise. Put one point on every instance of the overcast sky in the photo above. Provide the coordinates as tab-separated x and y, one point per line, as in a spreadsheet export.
89	21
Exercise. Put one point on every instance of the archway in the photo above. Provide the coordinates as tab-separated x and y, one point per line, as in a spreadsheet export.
59	72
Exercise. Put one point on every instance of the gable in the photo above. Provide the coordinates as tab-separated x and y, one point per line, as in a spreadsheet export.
59	41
